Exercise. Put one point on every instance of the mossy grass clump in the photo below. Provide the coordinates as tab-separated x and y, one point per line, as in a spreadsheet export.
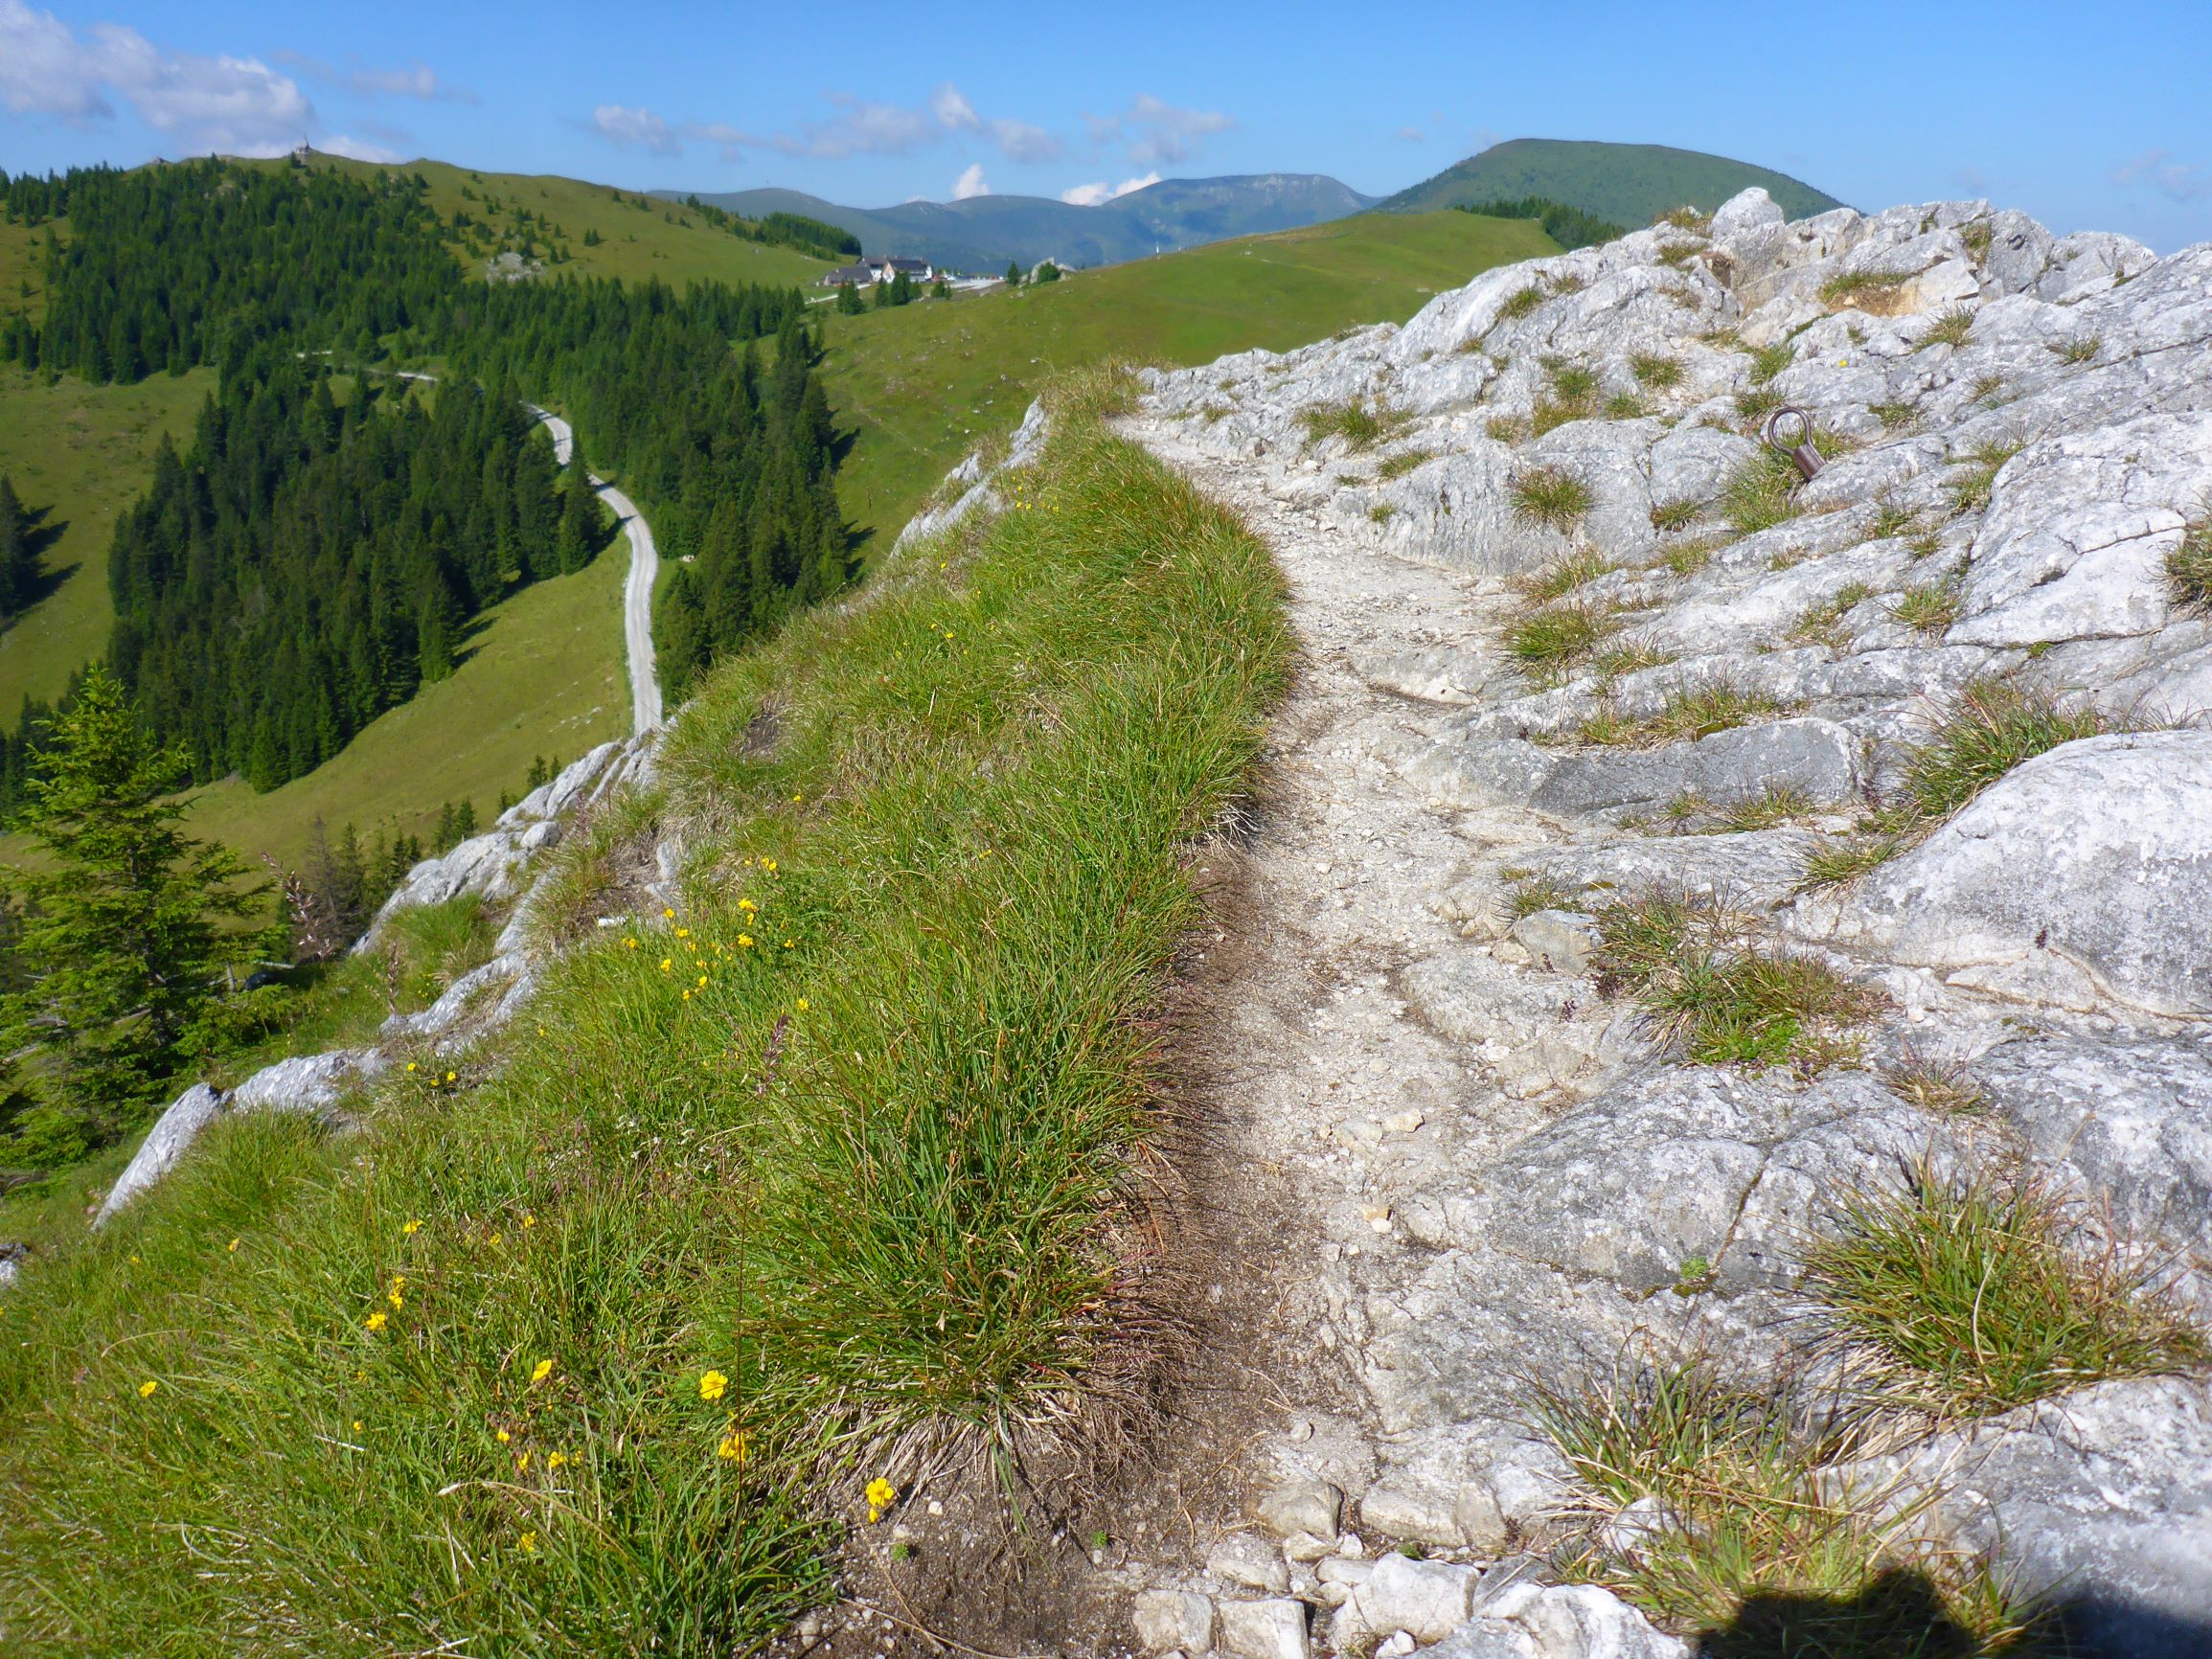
833	1171
1696	712
1715	995
1972	1295
1554	638
1563	576
1929	608
1403	461
2189	568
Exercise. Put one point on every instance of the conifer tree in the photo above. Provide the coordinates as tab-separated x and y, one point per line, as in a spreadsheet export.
848	300
119	931
19	563
1013	273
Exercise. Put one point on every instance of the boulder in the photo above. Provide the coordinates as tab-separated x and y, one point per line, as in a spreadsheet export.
1173	1620
172	1132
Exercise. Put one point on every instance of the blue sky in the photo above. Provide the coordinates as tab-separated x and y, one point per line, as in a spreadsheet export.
2088	117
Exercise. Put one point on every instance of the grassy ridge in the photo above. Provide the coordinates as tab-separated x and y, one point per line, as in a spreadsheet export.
918	385
637	242
840	1158
1630	184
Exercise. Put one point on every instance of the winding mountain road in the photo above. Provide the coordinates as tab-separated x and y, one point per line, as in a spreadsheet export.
645	704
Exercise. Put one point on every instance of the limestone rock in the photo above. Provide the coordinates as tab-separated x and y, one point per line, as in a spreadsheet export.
1308	1505
172	1132
1248	1561
1428	1598
1271	1630
1173	1620
2093	862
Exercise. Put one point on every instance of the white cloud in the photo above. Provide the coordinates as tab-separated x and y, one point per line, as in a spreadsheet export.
970	183
2178	181
358	149
416	80
1412	135
1156	132
624	127
1099	193
863	128
238	104
1017	140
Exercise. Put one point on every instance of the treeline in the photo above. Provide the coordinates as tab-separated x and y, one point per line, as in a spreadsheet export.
1568	226
307	563
197	262
736	458
784	230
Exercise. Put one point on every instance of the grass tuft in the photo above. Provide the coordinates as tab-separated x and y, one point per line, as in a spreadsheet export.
2189	568
1749	1548
1717	995
1945	1087
1768	361
1529	894
1822	623
1874	292
1668	516
1761	493
2081	349
1549	496
1950	329
1988	730
1929	609
1657	371
1895	415
1521	303
1561	577
1552	641
1964	1297
1405	461
1507	429
1359	426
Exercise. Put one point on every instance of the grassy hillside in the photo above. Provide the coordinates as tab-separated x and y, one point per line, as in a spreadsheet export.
83	453
544	676
601	1351
23	266
637	242
1630	184
918	385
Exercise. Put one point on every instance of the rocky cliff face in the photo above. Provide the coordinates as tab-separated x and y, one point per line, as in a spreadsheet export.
1930	731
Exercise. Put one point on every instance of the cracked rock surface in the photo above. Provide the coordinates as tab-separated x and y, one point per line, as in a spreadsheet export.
1505	1176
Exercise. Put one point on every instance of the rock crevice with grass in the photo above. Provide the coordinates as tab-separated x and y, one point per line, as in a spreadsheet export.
1733	1022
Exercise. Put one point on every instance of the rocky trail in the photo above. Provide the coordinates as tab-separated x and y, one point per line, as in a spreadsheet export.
1508	1184
644	700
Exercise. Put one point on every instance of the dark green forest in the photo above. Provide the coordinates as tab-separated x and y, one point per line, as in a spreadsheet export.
311	560
1568	226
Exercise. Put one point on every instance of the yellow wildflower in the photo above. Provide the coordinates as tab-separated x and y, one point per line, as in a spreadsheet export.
450	1076
667	914
880	1494
356	1425
631	942
802	1005
683	933
667	962
733	1447
554	1461
686	993
746	939
529	1543
493	1241
396	1300
542	1371
528	1219
504	1437
522	1463
789	943
146	1389
712	1383
376	1321
769	865
702	981
412	1228
410	1065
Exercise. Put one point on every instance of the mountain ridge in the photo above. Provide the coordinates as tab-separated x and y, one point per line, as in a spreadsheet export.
982	233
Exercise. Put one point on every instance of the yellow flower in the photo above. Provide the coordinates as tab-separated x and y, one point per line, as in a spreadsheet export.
686	993
667	962
769	865
412	1228
529	1543
356	1425
554	1461
398	1281
746	904
396	1300
746	939
794	798
233	1244
493	1241
528	1219
712	1383
146	1389
542	1371
683	933
376	1319
522	1463
789	943
702	981
733	1447
504	1437
802	1005
410	1065
631	943
667	914
880	1494
450	1076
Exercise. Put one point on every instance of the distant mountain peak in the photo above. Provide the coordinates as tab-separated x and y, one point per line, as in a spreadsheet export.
1630	184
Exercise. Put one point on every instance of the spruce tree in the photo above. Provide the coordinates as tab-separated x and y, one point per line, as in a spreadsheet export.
19	563
848	300
119	933
1013	273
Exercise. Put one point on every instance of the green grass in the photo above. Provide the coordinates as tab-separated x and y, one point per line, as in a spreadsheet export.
2081	349
1553	640
1970	1296
1822	623
1761	493
1945	1087
1687	715
1873	291
1658	373
82	453
1526	895
1508	429
1359	425
1950	329
1987	730
884	1179
1549	496
1768	361
1929	608
1669	516
1895	415
1561	577
1715	995
919	386
1521	303
1400	464
1753	1553
2189	567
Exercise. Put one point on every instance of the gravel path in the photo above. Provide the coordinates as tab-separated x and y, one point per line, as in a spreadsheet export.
645	704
